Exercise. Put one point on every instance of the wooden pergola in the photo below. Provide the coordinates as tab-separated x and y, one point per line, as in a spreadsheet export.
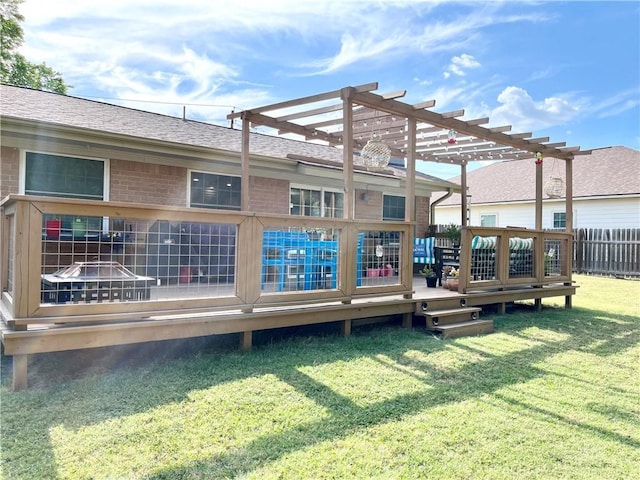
413	132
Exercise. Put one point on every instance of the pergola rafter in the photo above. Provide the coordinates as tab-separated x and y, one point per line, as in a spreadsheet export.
386	117
410	131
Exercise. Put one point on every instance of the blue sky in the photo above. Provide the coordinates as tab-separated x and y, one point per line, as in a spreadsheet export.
566	70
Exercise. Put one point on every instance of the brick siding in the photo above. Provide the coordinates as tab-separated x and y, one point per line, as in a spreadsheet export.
269	195
9	162
422	216
138	182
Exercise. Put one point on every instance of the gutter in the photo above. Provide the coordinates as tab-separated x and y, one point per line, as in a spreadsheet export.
434	204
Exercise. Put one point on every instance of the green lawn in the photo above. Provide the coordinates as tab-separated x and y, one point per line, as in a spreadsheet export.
553	394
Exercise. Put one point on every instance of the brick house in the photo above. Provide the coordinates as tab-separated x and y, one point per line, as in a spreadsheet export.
71	147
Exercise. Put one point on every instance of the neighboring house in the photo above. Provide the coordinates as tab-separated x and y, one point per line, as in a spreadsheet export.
606	193
65	146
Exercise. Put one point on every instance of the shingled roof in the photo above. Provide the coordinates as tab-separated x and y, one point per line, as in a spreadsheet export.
604	172
68	111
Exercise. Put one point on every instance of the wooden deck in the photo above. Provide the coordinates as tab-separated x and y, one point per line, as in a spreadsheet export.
51	337
40	315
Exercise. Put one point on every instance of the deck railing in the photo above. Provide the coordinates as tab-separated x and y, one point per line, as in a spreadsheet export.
500	258
69	261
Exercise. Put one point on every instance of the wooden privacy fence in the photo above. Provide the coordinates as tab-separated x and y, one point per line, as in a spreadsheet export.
607	251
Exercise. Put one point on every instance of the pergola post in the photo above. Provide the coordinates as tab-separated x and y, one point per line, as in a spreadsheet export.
538	195
569	195
244	158
410	203
347	152
463	193
569	220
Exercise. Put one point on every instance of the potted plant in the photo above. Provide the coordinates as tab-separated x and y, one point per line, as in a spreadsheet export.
454	280
430	276
452	232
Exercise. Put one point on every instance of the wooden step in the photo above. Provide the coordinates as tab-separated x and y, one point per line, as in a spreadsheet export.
465	329
454	315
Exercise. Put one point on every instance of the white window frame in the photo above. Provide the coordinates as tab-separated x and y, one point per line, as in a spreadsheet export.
106	175
491	214
322	191
393	195
553	218
22	169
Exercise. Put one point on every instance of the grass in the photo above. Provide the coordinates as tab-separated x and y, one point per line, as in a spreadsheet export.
551	394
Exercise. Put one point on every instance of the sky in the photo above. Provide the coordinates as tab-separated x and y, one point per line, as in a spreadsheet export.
566	70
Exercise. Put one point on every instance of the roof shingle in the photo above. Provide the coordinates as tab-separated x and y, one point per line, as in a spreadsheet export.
68	111
605	171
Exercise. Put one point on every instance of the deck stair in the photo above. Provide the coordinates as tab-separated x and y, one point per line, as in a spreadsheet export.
457	322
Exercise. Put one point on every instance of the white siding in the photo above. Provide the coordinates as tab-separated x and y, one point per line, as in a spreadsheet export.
587	213
608	213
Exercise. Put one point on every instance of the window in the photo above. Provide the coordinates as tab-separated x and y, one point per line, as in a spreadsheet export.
69	177
310	202
393	207
60	176
559	220
208	190
489	220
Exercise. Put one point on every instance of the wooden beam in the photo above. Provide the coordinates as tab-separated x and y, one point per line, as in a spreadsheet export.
303	100
453	114
396	94
569	196
289	127
345	328
463	194
425	104
244	159
521	136
478	121
409	207
347	152
394	106
538	224
20	381
246	340
504	128
310	113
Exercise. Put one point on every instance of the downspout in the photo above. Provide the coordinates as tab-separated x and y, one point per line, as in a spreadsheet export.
434	204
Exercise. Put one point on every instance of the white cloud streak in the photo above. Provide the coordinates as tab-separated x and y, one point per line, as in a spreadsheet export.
211	53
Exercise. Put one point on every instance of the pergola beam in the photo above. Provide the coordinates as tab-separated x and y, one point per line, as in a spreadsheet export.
367	87
385	116
393	106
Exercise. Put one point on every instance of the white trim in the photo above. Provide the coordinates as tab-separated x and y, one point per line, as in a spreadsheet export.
315	188
393	195
22	169
489	214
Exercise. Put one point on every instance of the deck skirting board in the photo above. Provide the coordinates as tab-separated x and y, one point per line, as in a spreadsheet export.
44	338
62	338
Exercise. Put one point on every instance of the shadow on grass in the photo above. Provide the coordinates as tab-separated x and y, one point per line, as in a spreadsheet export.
121	384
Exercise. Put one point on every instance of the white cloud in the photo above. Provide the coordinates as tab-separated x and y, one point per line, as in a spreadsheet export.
460	64
618	103
519	109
